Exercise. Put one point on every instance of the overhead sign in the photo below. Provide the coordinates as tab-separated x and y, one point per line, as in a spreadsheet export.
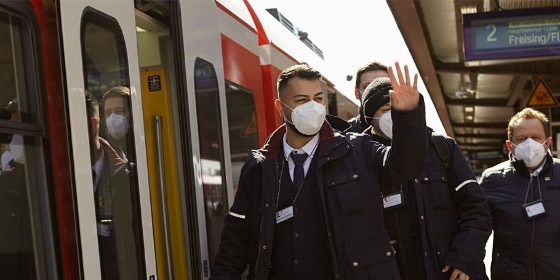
542	96
526	33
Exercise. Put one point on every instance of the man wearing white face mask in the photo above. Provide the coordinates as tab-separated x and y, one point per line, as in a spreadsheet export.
308	204
448	242
524	197
116	109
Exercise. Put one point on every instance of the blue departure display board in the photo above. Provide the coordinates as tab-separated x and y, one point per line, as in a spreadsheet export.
511	34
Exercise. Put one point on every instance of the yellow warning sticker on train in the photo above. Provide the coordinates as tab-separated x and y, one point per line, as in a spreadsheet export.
542	96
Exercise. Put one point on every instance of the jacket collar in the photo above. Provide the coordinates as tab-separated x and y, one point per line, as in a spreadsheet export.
273	145
519	165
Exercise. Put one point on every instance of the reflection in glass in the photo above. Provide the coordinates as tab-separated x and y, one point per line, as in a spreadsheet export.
211	147
242	124
19	239
16	246
112	150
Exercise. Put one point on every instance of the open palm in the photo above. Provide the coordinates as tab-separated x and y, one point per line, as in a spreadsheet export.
404	95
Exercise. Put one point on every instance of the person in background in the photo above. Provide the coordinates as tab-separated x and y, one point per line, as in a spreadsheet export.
7	157
438	222
116	110
364	76
308	204
116	106
524	198
109	171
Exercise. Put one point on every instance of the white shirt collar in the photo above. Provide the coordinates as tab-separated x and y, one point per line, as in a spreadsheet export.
308	148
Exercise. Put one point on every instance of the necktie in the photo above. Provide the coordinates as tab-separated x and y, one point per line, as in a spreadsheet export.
298	170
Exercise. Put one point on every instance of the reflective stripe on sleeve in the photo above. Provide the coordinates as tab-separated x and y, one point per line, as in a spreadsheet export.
386	155
464	183
236	215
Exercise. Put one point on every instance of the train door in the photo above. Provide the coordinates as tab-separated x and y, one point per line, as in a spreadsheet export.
106	124
186	132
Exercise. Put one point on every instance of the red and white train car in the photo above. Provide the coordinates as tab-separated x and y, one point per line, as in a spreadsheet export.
202	80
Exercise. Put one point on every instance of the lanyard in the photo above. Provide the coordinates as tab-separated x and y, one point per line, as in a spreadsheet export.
285	162
529	187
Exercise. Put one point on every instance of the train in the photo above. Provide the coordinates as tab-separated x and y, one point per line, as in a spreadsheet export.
199	78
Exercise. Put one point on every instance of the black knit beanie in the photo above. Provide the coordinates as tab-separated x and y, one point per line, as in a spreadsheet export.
374	97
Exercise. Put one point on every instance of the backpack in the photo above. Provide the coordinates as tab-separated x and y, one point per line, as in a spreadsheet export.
442	149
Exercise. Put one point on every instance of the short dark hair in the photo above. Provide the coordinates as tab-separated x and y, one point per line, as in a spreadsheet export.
527	113
116	92
372	66
303	71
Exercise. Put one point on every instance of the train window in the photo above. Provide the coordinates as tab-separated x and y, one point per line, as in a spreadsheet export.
112	154
211	151
15	70
25	237
242	124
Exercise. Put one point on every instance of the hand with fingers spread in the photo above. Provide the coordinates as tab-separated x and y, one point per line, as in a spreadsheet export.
404	95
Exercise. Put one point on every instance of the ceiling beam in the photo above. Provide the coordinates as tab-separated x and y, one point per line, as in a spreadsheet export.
481	125
406	16
499	102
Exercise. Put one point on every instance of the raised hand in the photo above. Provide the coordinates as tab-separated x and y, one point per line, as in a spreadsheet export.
404	95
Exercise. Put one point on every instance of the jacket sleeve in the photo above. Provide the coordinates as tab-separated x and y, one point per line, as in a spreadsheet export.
407	155
475	221
234	252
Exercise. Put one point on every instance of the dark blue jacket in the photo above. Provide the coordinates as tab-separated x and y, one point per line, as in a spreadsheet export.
524	249
445	219
349	169
356	125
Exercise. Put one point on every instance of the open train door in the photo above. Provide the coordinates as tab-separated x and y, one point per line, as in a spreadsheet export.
112	197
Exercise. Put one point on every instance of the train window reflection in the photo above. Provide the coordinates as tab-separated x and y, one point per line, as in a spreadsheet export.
14	32
242	124
16	209
109	116
211	151
24	219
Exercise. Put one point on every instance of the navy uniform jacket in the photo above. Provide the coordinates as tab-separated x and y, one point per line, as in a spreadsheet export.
349	170
524	249
445	219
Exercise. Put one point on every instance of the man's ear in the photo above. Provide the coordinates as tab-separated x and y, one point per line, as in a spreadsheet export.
548	142
358	94
509	146
94	129
279	107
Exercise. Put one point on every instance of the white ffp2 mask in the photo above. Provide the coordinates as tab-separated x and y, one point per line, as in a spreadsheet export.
308	118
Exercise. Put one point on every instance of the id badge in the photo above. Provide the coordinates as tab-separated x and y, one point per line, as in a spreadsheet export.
534	209
103	230
393	200
284	214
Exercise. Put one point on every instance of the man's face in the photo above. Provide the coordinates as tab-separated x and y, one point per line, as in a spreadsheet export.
366	78
527	128
299	91
116	105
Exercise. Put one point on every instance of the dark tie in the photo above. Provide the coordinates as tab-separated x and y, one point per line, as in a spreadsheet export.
298	170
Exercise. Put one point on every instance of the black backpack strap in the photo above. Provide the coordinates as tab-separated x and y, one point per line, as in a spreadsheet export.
442	149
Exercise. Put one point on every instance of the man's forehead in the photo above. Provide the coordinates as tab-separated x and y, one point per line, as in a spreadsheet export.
528	126
115	100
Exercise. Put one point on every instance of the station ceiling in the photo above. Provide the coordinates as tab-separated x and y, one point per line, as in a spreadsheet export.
475	98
